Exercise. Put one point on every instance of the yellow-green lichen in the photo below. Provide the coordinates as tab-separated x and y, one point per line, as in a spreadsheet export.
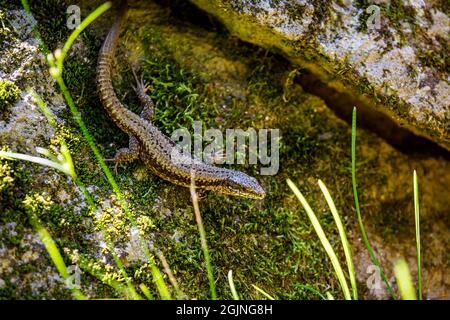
9	93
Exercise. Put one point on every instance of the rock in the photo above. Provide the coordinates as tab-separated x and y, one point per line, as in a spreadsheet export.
391	55
23	66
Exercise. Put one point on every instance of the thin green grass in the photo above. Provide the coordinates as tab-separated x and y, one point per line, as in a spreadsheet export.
310	289
54	253
204	245
402	270
323	239
343	236
232	287
358	210
38	35
146	291
417	223
404	280
265	294
61	166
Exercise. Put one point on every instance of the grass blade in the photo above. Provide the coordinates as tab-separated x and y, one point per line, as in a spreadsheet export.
417	221
329	296
201	229
310	289
343	236
38	160
404	280
265	294
146	291
42	46
79	29
358	210
323	239
54	253
232	287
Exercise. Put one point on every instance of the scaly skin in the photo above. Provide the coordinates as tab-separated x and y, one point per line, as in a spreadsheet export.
158	152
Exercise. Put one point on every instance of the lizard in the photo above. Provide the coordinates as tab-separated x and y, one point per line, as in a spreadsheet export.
159	153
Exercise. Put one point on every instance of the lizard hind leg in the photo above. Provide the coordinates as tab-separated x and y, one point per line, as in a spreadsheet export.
147	102
127	154
132	152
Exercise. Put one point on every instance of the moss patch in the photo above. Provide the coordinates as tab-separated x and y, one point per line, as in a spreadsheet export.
9	93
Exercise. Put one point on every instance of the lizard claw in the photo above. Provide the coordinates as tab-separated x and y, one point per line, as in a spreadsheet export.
141	85
115	166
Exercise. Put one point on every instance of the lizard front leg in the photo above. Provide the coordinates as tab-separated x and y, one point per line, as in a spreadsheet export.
127	154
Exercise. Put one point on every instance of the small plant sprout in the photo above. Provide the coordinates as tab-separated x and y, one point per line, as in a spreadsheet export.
358	210
404	280
265	294
232	287
204	244
323	239
417	223
343	236
61	161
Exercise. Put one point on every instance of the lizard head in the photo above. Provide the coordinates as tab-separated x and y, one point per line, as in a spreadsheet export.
240	184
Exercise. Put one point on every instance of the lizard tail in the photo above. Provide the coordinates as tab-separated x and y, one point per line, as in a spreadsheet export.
109	45
105	88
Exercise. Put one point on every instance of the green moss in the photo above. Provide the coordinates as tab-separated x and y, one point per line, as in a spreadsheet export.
397	12
7	4
51	17
436	59
6	180
9	92
5	31
394	10
322	10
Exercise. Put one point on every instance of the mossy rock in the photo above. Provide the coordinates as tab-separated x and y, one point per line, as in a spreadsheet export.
391	56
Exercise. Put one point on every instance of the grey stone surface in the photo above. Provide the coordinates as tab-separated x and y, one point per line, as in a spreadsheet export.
392	55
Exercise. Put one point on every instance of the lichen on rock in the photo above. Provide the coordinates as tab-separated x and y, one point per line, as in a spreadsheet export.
394	52
9	93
